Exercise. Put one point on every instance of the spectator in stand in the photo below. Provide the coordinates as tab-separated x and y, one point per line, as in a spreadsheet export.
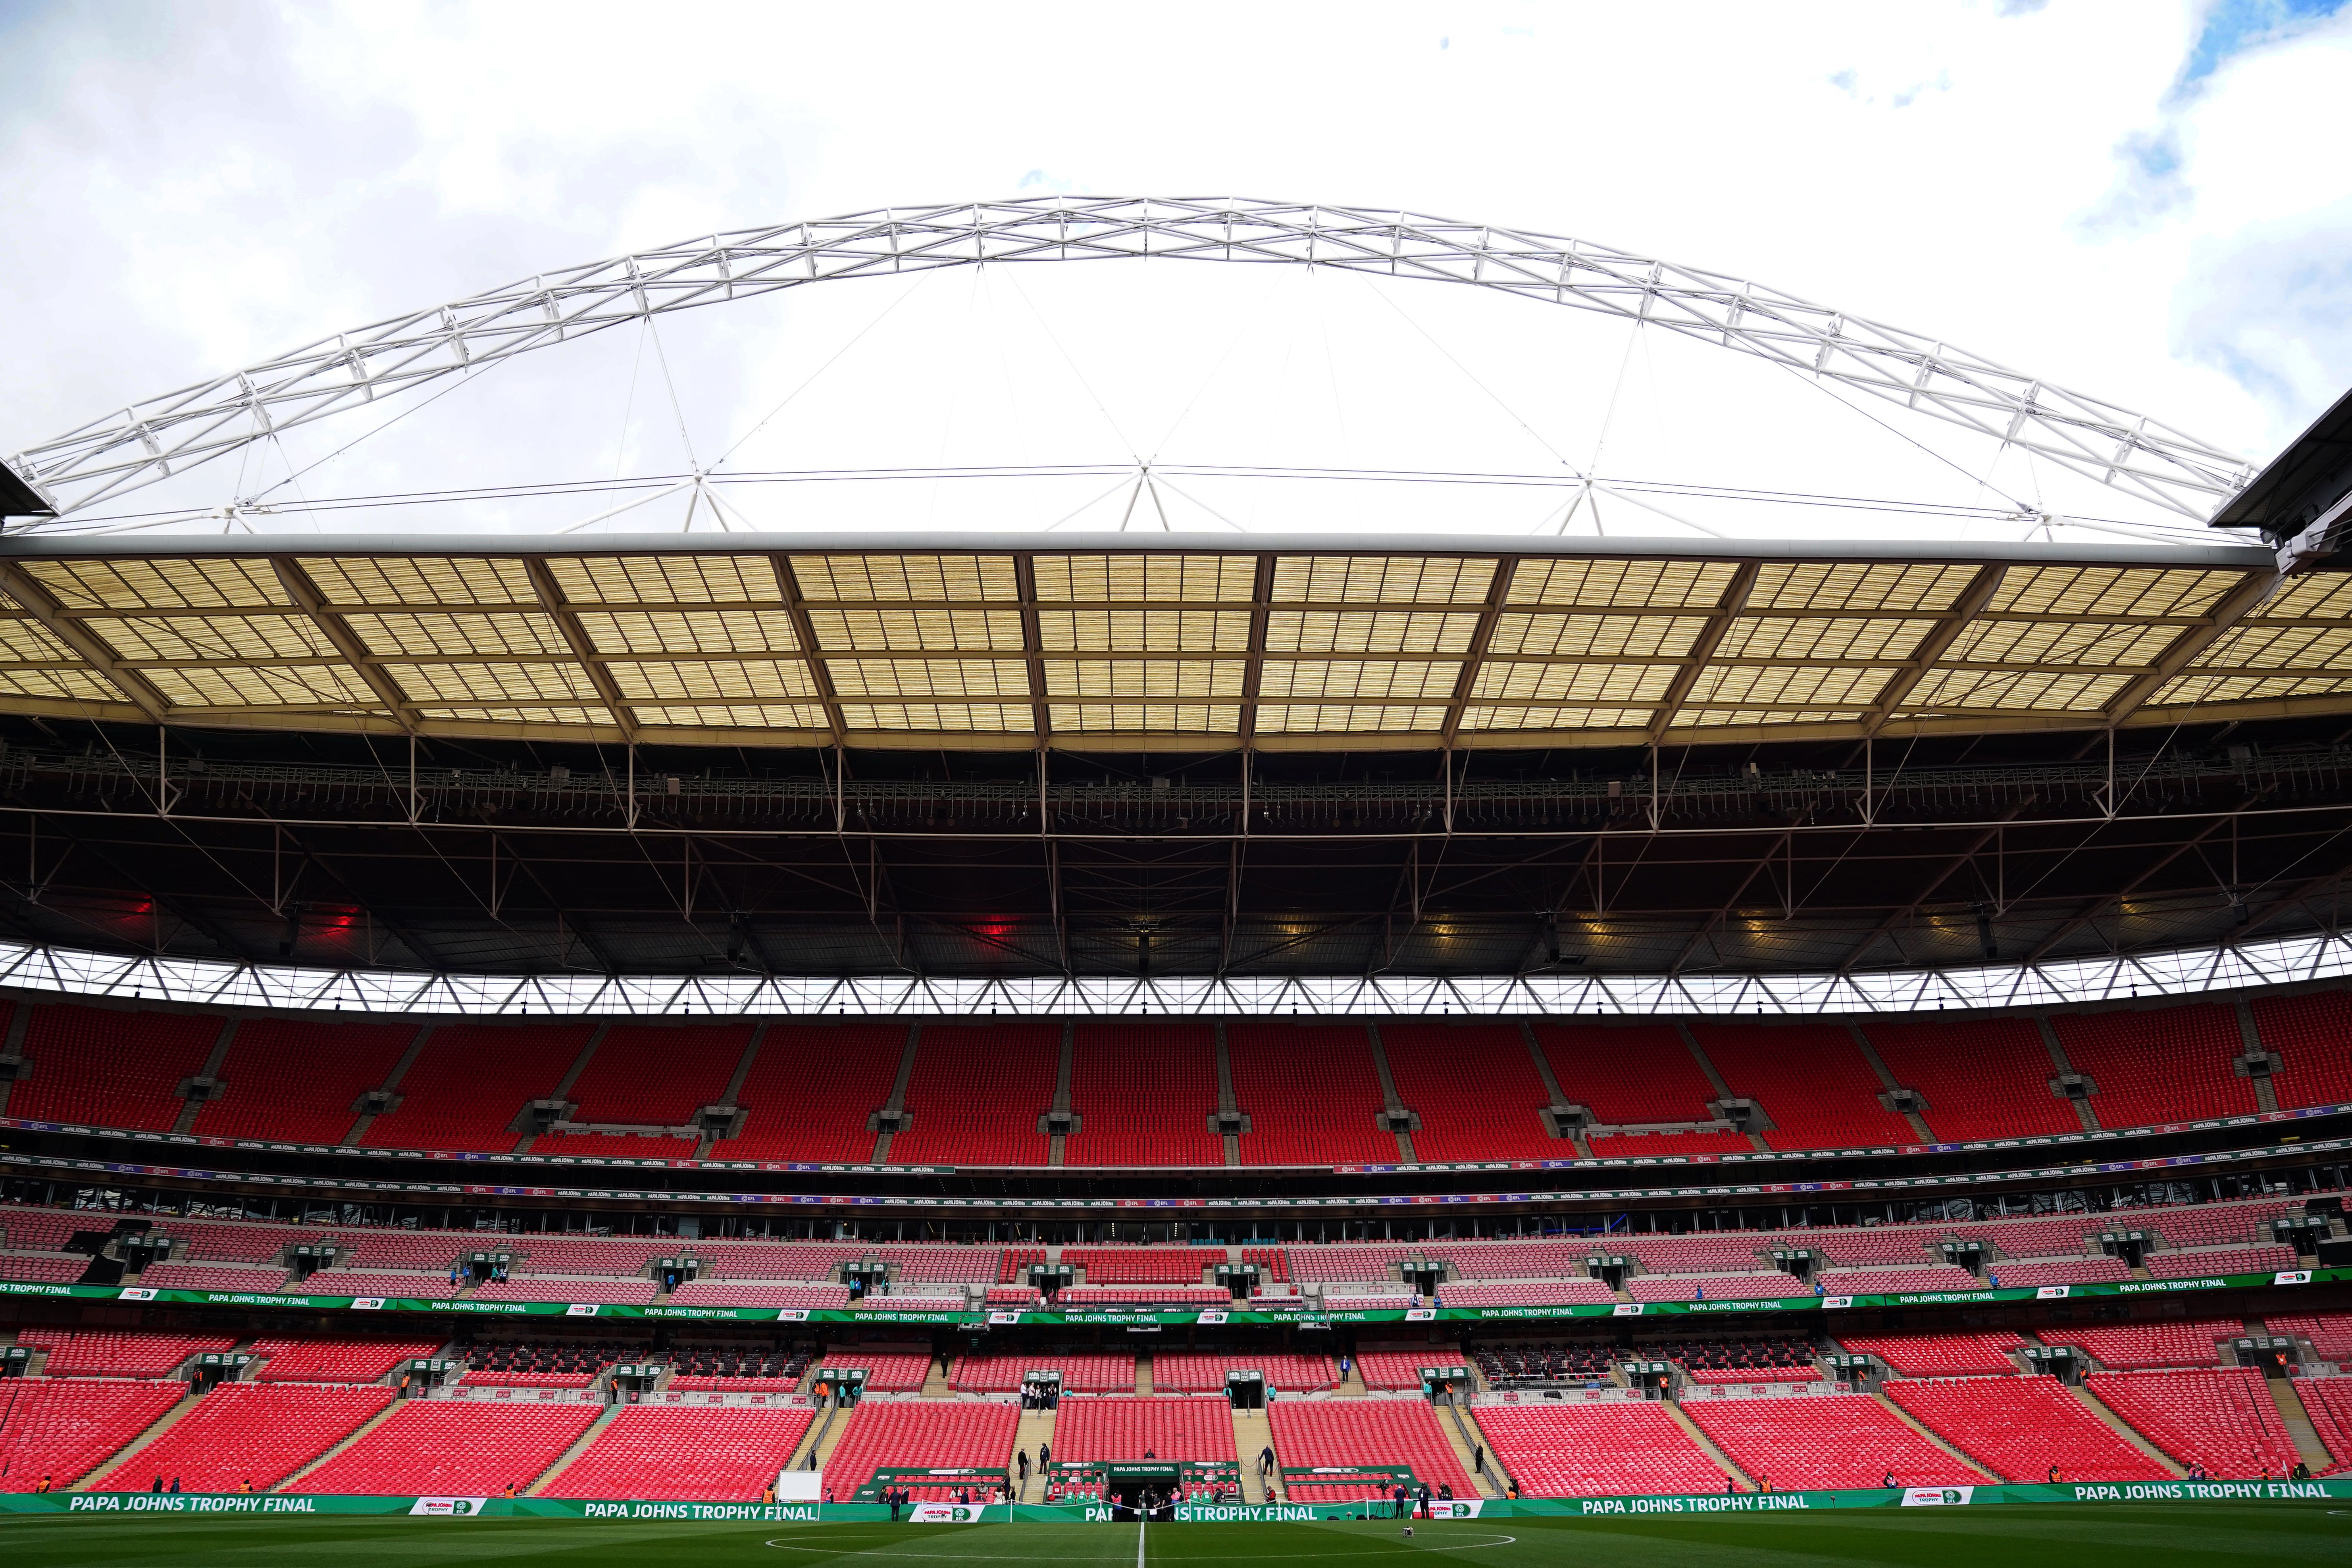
45	1483
1887	1481
158	1486
768	1495
1045	1455
175	1486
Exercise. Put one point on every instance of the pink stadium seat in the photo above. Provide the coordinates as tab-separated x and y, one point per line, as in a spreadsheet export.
2330	1333
1351	1262
455	1448
295	1080
1203	1371
472	1081
249	1432
722	1293
2159	1065
1931	1354
1897	1282
1523	1293
101	1068
1821	1441
1811	1080
361	1282
1515	1260
2328	1402
1475	1089
1142	1265
119	1353
208	1277
2310	1033
776	1261
66	1429
2220	1260
2219	1417
1605	1448
336	1360
1144	1094
925	1434
940	1265
2058	1271
46	1230
1127	1430
215	1243
2020	1427
810	1090
889	1370
1773	1287
569	1288
1081	1373
1308	1433
1312	1095
977	1092
688	1454
1982	1078
2185	1342
1078	1296
42	1270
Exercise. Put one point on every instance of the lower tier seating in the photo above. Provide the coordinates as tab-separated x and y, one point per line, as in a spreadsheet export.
1940	1355
1131	1429
1823	1441
460	1447
2192	1341
1606	1449
63	1430
336	1361
2021	1429
1363	1432
687	1454
2219	1417
255	1433
119	1353
892	1369
2328	1402
921	1434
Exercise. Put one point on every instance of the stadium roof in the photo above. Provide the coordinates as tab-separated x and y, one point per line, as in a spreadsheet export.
1159	643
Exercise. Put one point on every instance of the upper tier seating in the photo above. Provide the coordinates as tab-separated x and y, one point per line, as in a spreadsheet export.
2308	1032
1127	1430
455	1448
1309	1432
1523	1293
1716	1288
1929	1354
1629	1074
889	1369
2219	1417
1811	1080
977	1092
2220	1260
725	1293
1083	1372
1203	1371
259	1433
336	1359
119	1353
2328	1402
104	1067
2330	1333
1981	1077
1142	1265
1143	1093
295	1080
1897	1281
2019	1428
692	1454
2185	1342
1312	1095
1475	1089
2057	1271
1662	1146
208	1277
650	1075
1823	1441
470	1082
1606	1449
924	1433
65	1429
810	1090
2159	1065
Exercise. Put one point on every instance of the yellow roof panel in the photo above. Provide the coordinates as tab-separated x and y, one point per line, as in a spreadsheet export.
2315	595
906	579
394	582
2115	643
1621	584
1729	718
34	643
1334	718
2260	646
198	637
1616	683
1371	631
945	718
1787	685
1137	579
1606	637
917	631
1480	719
928	677
2203	689
1164	677
1144	631
1857	586
710	681
1381	579
434	633
509	684
73	685
131	584
1146	718
2031	690
574	718
666	579
263	685
1355	679
2111	591
1851	637
690	631
733	716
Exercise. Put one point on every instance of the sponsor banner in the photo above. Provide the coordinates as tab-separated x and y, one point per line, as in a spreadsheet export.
1938	1496
958	1513
449	1507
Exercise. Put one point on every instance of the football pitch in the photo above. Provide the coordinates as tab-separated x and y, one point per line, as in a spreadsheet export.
2061	1535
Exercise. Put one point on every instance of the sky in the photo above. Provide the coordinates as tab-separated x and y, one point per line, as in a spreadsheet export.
2137	200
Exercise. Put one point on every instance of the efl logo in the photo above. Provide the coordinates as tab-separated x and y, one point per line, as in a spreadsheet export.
1421	1315
368	1304
1833	1302
2293	1276
1938	1497
448	1506
1628	1309
1213	1317
580	1310
2052	1292
136	1295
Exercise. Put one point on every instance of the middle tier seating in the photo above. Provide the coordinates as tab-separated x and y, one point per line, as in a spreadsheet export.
1897	1282
454	1448
2219	1261
728	1293
1524	1293
1142	1265
2010	1276
2190	1341
690	1455
2021	1429
119	1353
1203	1371
1311	1432
1773	1287
255	1434
1925	1355
1127	1430
922	1434
206	1277
1813	1442
1605	1448
336	1360
1083	1372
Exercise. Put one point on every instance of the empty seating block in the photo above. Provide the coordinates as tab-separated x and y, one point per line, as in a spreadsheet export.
1606	1449
119	1353
1940	1355
1348	1263
921	1434
1640	1074
2057	1271
1142	1265
1080	1296
294	1080
1720	1252
773	1260
2330	1333
1475	1089
360	1283
470	1082
46	1230
623	1293
1524	1293
2190	1343
2220	1260
1667	1145
1081	1373
1203	1371
1897	1282
2020	1427
206	1277
1821	1441
240	1242
1312	1095
2328	1402
1515	1260
336	1361
2219	1417
651	1075
1396	1301
1143	1093
2159	1065
1362	1432
977	1093
940	1265
723	1293
895	1370
1986	1077
609	1256
107	1068
1715	1288
2211	1224
810	1090
2057	1237
256	1433
455	1448
66	1429
1127	1430
43	1270
692	1454
1812	1081
2308	1032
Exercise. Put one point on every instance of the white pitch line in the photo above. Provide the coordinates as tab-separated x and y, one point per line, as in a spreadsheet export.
1139	1542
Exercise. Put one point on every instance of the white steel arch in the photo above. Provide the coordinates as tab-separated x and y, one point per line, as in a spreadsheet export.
167	435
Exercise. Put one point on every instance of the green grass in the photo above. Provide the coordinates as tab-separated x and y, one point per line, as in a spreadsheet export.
2273	1535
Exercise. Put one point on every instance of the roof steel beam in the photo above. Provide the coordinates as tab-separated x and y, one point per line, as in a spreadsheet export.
305	594
1718	621
584	649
